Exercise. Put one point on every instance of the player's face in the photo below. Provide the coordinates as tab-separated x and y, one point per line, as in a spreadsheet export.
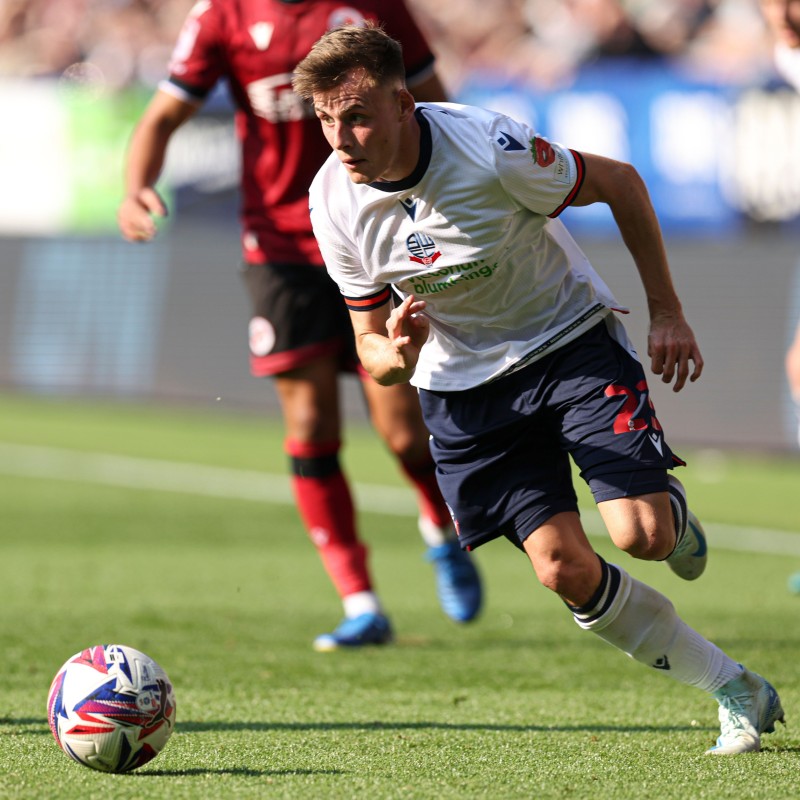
783	18
365	126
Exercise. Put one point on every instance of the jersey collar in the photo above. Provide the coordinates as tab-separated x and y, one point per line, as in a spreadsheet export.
425	150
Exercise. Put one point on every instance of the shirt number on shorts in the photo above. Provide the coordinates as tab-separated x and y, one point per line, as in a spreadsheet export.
629	419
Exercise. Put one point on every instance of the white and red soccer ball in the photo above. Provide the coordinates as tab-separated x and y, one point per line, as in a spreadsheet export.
111	708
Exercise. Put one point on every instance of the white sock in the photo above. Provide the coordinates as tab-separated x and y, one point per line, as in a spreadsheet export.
677	499
433	535
360	603
642	623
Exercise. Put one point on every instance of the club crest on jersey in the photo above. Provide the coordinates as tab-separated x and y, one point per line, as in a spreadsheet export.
542	152
422	248
345	16
262	336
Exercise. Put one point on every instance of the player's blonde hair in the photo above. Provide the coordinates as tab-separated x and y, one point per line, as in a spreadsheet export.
367	50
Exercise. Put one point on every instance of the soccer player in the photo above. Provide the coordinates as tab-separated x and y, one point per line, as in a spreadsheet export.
299	332
512	340
783	21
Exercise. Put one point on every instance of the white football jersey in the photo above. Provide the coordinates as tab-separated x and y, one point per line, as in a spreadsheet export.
473	233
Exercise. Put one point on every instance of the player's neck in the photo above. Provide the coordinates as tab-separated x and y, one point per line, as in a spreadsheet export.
407	153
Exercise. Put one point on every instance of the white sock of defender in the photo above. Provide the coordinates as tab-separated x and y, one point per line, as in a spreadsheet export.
433	535
360	603
641	622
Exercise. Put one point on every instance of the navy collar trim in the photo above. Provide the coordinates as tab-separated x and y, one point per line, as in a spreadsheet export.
425	150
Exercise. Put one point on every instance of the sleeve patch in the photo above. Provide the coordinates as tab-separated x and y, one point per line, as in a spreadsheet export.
542	152
581	168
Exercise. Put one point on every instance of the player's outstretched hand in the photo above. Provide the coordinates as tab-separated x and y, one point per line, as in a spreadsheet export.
135	215
671	345
407	328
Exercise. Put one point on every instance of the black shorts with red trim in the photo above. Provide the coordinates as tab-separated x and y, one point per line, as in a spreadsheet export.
298	316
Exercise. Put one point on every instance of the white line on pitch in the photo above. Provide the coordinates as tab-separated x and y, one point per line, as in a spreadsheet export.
239	484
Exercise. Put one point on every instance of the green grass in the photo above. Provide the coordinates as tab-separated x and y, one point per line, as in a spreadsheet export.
227	595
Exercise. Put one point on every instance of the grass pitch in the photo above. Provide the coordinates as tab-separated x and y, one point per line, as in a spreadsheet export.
220	585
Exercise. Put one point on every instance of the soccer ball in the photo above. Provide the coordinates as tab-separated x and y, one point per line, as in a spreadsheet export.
111	708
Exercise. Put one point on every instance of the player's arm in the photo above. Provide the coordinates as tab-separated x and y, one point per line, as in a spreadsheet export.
145	159
389	339
671	344
793	365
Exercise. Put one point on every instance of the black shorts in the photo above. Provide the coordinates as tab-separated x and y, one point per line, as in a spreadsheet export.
298	315
502	449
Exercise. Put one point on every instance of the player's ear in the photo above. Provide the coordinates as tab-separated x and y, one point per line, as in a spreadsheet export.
405	104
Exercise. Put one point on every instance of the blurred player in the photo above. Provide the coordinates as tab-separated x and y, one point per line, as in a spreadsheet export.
511	337
299	332
783	20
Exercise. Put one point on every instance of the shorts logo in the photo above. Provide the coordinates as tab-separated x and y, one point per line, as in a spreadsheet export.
262	336
656	440
422	248
542	152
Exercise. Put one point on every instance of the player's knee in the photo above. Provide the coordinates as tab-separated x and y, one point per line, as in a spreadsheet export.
569	578
407	443
651	541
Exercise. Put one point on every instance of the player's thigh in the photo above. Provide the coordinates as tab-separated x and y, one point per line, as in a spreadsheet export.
642	526
309	397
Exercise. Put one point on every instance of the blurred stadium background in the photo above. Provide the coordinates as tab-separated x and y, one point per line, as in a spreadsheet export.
683	89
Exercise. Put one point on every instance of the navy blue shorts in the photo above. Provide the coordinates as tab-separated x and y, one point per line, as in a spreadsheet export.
502	449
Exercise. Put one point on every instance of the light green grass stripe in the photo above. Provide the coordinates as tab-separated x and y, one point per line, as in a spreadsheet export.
238	484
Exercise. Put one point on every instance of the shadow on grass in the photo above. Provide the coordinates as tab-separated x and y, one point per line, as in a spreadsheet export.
248	773
184	726
24	721
200	727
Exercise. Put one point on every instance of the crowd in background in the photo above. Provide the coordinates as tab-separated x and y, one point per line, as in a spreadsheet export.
116	42
542	42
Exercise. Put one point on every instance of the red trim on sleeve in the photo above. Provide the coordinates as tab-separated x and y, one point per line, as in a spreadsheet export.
581	167
369	302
